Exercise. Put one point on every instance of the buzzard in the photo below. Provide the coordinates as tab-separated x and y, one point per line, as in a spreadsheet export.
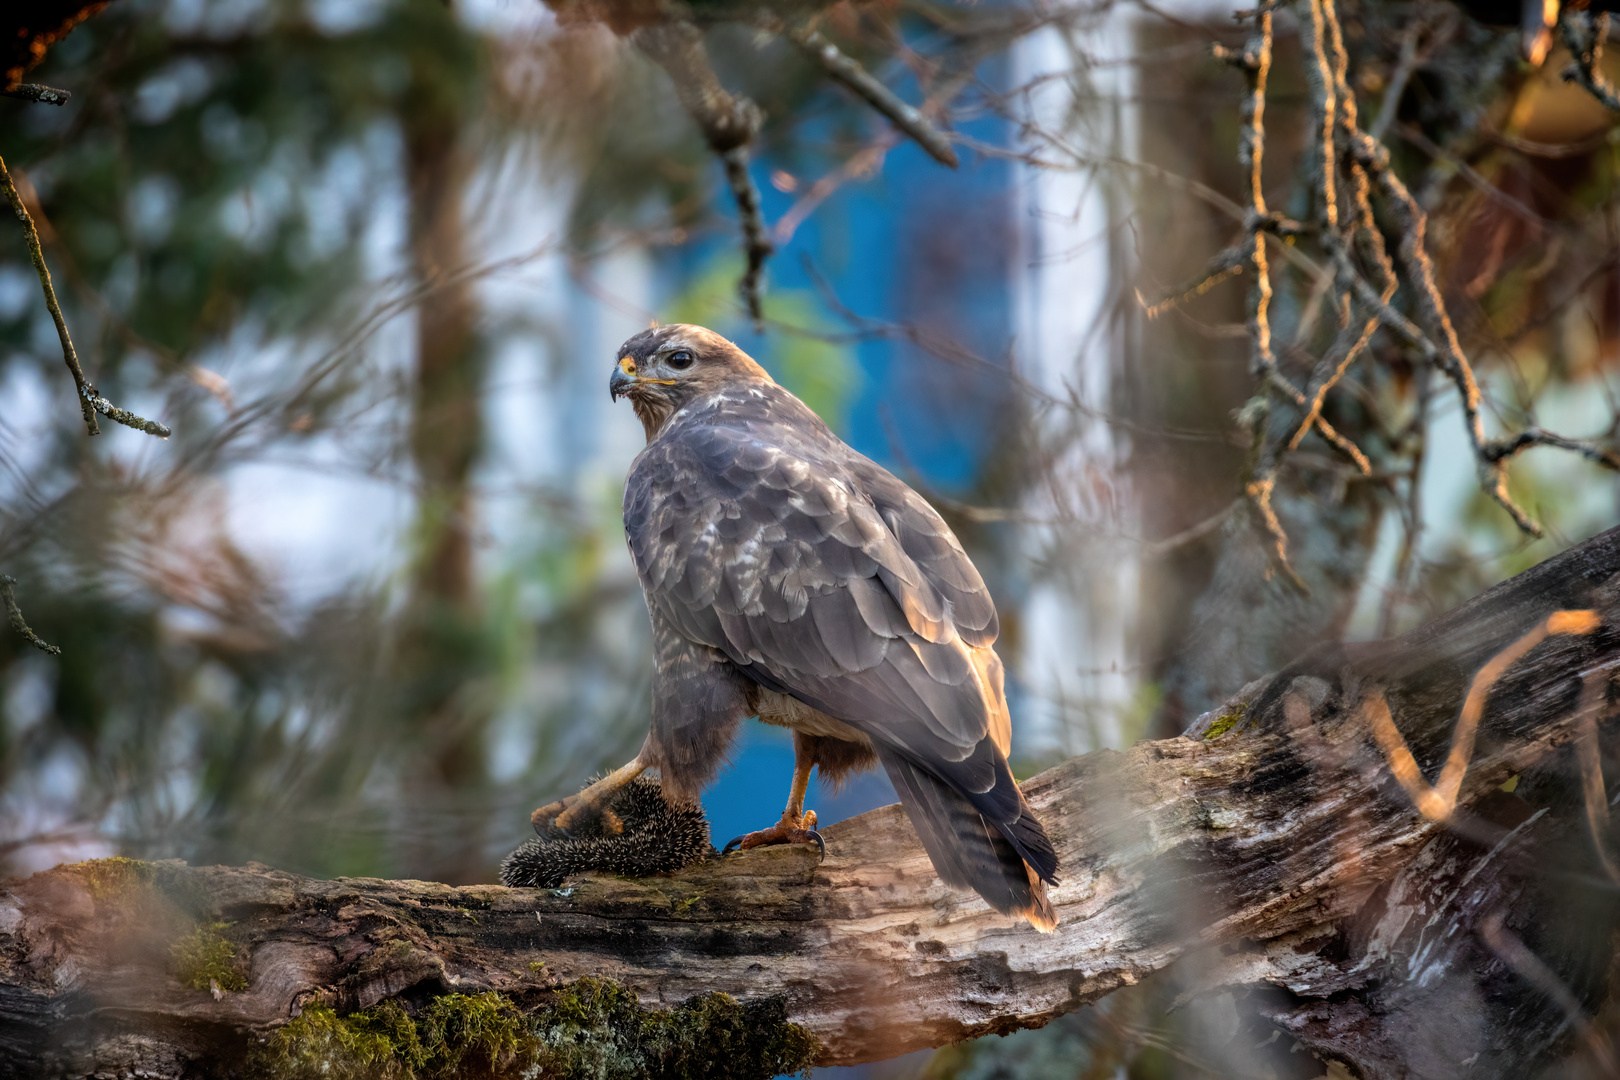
790	578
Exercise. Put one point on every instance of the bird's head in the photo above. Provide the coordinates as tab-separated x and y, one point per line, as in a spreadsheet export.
663	368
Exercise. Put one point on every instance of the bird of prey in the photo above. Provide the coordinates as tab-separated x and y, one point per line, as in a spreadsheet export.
790	578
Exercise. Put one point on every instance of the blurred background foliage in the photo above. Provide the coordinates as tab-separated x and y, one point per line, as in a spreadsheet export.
369	260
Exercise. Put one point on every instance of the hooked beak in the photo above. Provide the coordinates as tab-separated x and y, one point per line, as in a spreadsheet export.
622	379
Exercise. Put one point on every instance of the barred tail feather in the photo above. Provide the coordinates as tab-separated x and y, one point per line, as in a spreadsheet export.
968	850
1039	913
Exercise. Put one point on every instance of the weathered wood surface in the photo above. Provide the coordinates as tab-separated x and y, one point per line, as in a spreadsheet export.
1277	853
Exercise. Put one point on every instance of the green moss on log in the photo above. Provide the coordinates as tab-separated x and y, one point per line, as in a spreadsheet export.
591	1030
596	1029
1226	722
145	888
110	878
204	957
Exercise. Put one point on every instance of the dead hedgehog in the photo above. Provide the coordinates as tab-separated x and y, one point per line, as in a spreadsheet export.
638	834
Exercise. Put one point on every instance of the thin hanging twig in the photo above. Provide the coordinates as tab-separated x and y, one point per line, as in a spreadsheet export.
90	402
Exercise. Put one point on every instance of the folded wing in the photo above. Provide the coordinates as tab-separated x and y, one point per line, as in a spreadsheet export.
821	575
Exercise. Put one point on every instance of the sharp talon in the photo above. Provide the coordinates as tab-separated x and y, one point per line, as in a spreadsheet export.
820	844
733	843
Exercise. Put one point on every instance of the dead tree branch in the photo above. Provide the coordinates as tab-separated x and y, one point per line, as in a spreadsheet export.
1272	847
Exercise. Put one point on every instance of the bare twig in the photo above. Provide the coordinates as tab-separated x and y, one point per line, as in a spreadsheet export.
1319	75
1346	164
1501	449
1414	256
90	402
1396	89
18	623
1418	432
1584	37
1338	103
845	71
1227	263
1154	549
863	162
37	255
45	95
1323	428
1255	63
125	417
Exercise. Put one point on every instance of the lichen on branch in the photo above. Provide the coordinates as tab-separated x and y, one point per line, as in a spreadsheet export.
90	402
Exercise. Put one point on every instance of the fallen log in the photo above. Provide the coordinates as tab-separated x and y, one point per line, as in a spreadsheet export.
1270	849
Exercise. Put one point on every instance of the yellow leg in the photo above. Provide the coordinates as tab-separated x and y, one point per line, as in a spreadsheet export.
566	813
794	813
798	826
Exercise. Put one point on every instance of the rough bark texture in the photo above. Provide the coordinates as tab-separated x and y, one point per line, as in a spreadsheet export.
1268	849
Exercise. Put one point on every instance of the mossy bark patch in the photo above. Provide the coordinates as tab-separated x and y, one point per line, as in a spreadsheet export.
205	959
1226	722
592	1029
113	877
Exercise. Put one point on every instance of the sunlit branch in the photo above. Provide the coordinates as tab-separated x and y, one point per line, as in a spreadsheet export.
1437	801
1228	263
1255	63
1414	256
1334	90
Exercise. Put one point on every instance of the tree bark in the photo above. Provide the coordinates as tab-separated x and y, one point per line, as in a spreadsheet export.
1270	849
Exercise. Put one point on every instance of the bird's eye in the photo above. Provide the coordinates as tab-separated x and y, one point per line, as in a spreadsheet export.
680	359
